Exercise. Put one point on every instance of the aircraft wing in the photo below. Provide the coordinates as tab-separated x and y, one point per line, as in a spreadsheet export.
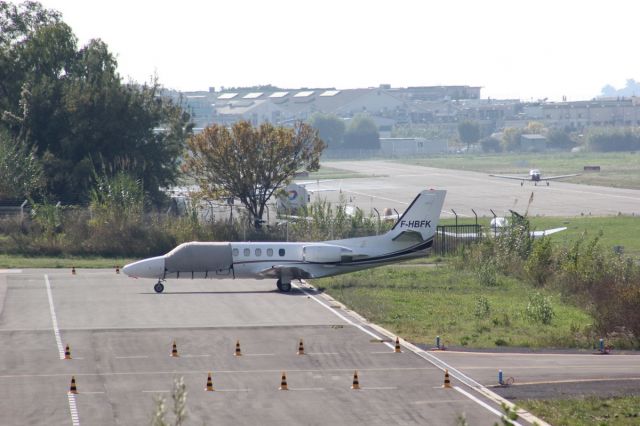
512	177
559	177
538	234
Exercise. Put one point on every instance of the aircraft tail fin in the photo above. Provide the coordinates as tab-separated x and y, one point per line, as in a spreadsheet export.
420	219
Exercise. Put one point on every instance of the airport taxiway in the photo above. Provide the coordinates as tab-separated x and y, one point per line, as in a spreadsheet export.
394	185
121	333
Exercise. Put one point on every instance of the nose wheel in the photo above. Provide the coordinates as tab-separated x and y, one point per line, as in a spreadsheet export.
284	287
159	287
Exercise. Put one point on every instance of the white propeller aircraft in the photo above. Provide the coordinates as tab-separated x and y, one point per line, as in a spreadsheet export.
411	236
535	176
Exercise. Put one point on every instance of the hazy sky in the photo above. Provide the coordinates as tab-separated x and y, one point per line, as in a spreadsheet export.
512	48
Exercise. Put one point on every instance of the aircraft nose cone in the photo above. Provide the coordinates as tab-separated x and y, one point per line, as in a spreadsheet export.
147	268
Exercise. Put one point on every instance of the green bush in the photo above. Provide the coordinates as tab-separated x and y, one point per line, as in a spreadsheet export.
539	309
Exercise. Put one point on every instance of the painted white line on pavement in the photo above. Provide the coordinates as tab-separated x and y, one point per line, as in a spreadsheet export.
75	420
439	364
54	319
484	404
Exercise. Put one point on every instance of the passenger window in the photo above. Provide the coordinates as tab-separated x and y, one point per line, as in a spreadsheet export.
270	252
281	252
236	252
258	252
247	252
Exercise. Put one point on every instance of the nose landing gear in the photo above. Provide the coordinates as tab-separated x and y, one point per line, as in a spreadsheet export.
159	287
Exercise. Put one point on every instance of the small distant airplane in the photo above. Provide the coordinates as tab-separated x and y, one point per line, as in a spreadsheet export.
500	225
535	176
411	236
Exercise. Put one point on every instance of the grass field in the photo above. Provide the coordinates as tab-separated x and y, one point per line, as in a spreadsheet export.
13	261
333	173
422	302
616	231
621	411
620	170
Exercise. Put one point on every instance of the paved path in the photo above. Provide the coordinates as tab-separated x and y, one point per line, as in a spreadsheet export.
399	183
121	334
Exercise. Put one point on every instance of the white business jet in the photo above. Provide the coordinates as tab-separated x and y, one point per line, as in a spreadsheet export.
410	237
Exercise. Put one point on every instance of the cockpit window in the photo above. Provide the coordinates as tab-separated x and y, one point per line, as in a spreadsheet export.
281	252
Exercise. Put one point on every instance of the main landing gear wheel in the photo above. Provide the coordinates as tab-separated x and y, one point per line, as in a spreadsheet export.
159	287
284	287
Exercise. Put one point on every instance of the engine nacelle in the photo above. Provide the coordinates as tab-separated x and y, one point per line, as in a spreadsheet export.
323	253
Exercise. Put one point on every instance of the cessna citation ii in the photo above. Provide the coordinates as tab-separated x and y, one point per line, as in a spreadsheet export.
410	237
535	176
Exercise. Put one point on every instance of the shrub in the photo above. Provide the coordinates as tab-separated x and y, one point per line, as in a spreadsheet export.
539	308
482	308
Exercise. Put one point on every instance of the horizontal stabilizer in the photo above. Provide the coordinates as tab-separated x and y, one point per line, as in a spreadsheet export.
409	237
537	234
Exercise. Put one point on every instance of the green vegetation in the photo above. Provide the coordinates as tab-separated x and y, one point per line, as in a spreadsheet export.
620	170
621	411
335	173
422	302
617	231
13	261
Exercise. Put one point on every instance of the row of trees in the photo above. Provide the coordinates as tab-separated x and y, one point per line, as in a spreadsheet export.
66	115
360	133
69	124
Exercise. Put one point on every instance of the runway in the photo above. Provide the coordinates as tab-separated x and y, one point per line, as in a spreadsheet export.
396	185
121	334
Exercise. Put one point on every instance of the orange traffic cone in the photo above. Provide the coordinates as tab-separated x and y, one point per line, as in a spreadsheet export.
447	382
238	351
174	350
73	389
67	353
283	382
73	270
397	349
301	348
117	269
209	387
356	382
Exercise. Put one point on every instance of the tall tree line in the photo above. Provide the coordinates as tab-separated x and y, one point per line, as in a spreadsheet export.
67	107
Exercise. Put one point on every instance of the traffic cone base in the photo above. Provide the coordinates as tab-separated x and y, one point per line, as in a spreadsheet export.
209	387
238	352
174	350
447	382
73	389
67	353
397	349
117	269
301	348
283	382
356	382
73	270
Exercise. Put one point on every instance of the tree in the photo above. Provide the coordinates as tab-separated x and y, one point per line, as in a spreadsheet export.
362	133
70	106
469	132
20	170
490	144
251	163
559	139
330	127
511	139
